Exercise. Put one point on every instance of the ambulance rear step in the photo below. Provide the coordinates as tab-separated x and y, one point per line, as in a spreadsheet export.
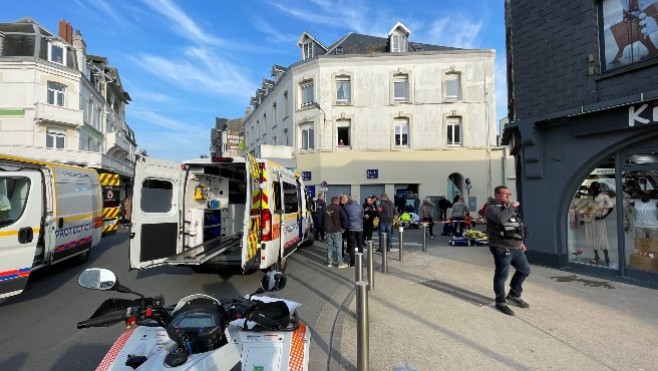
203	253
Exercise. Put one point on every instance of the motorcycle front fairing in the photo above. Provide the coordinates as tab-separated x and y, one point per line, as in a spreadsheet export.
154	344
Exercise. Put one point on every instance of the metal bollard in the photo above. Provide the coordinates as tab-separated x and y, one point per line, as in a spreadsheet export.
371	273
401	241
382	248
424	237
362	328
358	267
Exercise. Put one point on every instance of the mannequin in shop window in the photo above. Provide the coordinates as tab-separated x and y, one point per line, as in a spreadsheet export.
594	214
646	217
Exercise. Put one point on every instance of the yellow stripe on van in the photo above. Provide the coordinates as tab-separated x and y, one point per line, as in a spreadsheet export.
15	232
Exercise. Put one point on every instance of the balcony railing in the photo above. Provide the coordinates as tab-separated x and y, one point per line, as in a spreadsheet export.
60	115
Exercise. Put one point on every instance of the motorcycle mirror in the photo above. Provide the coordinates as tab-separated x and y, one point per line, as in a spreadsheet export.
97	279
273	281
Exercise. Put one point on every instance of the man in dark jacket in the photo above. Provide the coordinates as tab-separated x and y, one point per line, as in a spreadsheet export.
369	214
335	222
386	214
506	243
355	225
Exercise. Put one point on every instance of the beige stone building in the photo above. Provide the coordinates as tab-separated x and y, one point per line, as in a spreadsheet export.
58	103
368	115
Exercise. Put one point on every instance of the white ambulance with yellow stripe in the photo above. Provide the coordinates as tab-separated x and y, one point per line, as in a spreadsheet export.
49	213
210	214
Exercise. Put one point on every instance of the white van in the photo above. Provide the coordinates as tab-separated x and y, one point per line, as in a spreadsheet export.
48	213
216	213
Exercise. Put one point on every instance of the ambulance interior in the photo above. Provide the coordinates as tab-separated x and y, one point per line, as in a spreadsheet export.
215	203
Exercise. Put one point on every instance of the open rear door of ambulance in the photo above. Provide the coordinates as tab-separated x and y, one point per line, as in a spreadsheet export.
155	231
21	208
254	216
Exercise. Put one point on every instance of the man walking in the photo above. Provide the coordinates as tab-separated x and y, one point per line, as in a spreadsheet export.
506	243
427	215
386	214
335	222
355	225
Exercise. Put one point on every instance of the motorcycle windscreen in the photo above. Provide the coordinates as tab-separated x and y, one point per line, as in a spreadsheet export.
21	209
155	233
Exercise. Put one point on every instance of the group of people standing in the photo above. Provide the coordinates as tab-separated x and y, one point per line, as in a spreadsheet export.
346	225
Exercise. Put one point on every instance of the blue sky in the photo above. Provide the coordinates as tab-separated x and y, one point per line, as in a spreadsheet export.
186	62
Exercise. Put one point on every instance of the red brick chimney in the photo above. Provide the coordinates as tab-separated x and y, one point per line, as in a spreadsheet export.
66	31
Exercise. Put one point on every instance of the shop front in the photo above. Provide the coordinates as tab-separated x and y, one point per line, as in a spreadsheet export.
590	195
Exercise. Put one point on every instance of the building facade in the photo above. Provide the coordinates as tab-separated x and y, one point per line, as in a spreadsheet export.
582	79
370	115
59	103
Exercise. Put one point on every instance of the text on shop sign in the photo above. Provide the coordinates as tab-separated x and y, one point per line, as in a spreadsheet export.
638	115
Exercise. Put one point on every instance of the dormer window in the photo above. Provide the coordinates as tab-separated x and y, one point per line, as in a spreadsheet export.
57	52
398	38
308	50
398	44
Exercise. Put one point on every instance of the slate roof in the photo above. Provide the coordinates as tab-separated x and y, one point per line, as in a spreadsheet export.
354	43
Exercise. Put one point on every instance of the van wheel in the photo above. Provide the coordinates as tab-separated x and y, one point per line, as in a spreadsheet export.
82	258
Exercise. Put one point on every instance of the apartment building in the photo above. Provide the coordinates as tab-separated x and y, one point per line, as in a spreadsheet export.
370	115
59	103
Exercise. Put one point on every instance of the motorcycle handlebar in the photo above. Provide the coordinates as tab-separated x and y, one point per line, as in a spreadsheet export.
104	321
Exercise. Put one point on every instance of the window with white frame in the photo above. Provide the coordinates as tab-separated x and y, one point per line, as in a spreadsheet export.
453	86
57	52
307	139
343	134
306	92
56	93
343	90
55	139
264	124
398	43
401	88
401	128
308	50
454	131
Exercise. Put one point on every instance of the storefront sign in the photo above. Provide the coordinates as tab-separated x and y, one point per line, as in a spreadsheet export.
642	115
306	175
372	173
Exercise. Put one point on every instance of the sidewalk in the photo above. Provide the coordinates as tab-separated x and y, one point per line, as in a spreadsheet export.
434	310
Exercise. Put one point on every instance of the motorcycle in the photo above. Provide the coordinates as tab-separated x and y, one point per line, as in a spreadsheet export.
200	332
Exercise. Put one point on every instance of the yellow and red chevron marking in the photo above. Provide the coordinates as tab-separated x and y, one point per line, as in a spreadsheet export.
108	179
110	227
263	177
110	212
297	353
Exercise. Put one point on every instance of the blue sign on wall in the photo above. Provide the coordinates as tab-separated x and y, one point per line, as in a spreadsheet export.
310	190
306	175
372	173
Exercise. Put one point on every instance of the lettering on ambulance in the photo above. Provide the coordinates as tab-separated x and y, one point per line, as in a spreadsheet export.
72	236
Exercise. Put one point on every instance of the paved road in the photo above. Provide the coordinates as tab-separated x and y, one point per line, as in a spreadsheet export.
39	326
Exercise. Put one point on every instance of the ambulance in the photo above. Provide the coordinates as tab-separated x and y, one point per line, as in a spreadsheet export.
216	213
49	213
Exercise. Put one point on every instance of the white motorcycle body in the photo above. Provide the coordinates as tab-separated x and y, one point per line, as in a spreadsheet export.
265	350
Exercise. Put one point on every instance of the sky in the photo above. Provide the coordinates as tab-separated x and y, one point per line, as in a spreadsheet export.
184	63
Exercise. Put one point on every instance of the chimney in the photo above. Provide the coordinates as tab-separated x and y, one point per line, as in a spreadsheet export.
66	31
79	43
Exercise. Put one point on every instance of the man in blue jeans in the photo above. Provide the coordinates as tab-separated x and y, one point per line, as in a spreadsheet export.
506	243
386	214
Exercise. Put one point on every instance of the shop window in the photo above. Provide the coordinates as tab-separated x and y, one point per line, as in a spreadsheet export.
592	236
630	32
641	219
